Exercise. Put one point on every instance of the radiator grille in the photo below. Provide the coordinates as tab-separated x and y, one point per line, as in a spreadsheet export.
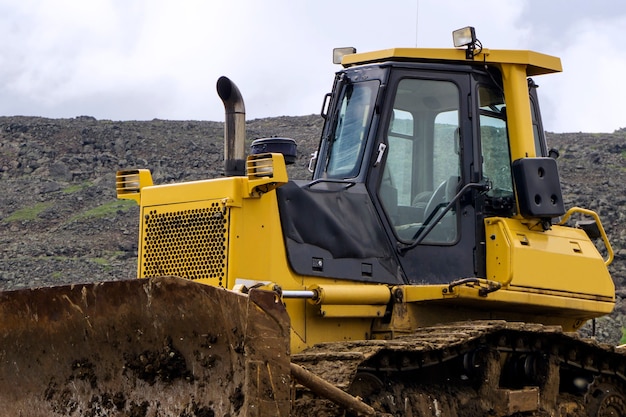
186	243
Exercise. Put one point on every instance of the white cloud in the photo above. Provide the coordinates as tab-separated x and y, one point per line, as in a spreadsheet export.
494	21
115	59
589	98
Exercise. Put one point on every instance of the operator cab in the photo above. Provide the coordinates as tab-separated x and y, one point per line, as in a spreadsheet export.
423	138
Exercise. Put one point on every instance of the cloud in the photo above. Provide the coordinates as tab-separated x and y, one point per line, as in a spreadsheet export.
114	59
586	36
590	98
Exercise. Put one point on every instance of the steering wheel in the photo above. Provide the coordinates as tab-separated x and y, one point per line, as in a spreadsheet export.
436	198
444	193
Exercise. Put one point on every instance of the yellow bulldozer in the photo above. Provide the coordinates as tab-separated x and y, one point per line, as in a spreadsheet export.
429	267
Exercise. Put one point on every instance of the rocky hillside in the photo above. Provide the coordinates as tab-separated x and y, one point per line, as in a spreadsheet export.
60	221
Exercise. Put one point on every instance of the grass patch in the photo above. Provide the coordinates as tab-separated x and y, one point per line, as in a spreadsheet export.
101	261
28	213
106	210
76	187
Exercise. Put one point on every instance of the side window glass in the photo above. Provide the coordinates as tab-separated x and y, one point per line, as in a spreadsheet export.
495	150
401	154
447	150
496	156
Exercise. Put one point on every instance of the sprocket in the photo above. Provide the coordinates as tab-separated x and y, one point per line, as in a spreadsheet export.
605	398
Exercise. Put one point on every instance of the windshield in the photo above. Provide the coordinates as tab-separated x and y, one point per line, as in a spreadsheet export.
353	116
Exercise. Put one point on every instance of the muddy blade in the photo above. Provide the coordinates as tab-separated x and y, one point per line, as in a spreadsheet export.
164	346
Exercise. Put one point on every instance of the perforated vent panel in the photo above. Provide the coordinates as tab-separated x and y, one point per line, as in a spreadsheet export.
189	243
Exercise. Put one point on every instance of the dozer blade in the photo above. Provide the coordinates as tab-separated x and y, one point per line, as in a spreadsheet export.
144	347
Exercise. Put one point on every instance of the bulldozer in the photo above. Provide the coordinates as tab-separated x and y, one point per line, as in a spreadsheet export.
428	268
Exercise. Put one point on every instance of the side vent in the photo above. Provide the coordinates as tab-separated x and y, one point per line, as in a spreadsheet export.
189	243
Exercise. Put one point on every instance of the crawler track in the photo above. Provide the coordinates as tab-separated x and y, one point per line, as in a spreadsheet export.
473	368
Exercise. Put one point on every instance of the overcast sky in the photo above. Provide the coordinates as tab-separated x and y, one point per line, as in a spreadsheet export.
146	59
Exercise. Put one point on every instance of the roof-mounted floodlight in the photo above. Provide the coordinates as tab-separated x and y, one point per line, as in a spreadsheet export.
339	53
467	37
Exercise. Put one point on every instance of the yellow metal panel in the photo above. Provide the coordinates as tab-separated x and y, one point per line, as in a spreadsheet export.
560	259
499	262
229	188
256	242
413	293
535	63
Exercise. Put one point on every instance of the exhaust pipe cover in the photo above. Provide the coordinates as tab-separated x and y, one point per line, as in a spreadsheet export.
234	127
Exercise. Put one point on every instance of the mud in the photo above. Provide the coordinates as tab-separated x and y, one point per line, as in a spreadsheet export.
472	369
166	365
143	348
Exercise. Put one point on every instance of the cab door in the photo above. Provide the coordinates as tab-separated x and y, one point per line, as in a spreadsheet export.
426	158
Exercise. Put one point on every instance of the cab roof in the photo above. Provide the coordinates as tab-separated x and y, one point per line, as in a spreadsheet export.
536	63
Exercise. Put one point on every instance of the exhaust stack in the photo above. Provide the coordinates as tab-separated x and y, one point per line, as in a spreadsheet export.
234	127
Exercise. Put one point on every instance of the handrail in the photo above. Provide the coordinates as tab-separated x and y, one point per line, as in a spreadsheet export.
595	216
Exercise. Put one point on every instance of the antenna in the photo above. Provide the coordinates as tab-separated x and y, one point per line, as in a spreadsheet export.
417	9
